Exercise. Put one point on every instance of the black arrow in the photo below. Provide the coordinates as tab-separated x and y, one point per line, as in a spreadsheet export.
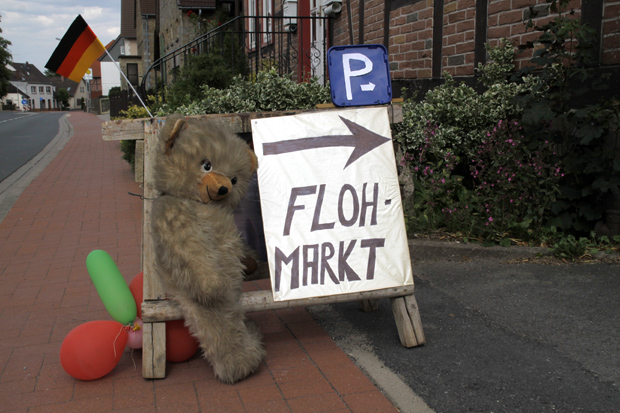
362	140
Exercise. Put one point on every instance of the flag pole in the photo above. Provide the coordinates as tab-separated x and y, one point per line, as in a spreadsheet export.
127	80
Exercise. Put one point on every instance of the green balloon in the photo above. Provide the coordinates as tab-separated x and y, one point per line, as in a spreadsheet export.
111	287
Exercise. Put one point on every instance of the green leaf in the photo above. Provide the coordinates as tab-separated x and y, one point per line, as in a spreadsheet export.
589	132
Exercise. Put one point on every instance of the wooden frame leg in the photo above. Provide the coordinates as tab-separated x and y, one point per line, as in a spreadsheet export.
372	304
154	350
408	321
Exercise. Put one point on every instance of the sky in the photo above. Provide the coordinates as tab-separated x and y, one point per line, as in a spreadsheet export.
33	26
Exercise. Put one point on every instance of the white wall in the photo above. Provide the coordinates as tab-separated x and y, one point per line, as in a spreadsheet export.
110	77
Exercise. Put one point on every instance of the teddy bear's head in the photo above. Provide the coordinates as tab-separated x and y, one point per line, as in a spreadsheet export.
203	161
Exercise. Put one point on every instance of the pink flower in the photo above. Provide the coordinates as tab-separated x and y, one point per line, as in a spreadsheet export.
490	219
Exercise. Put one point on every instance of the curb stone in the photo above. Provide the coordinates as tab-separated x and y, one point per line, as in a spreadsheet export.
430	250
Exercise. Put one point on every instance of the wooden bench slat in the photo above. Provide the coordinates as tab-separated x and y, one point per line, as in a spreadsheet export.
165	310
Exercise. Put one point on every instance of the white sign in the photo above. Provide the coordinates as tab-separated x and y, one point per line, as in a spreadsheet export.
331	205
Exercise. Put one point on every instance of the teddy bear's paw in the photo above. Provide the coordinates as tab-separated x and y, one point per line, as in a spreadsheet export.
240	364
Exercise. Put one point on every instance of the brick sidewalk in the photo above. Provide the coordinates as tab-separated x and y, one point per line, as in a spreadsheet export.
79	204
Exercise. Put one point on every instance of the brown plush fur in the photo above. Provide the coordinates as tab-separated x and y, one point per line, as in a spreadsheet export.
199	251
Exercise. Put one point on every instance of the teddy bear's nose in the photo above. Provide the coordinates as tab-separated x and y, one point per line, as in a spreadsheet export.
222	191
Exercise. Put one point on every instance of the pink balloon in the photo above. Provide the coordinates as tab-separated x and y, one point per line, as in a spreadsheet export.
91	350
134	339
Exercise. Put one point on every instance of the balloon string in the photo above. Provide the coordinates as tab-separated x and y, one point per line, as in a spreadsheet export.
134	361
114	343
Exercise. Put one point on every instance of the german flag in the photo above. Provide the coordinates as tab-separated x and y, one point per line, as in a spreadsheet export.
77	50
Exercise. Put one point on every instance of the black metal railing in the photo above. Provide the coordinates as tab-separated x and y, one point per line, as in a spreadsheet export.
295	46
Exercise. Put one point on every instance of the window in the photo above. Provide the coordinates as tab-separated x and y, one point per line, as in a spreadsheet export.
268	22
48	89
41	89
132	73
33	89
81	89
252	24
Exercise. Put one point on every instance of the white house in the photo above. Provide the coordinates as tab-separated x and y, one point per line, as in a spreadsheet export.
110	76
30	82
15	97
77	91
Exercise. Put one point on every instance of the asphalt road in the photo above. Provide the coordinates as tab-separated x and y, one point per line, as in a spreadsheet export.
501	337
22	136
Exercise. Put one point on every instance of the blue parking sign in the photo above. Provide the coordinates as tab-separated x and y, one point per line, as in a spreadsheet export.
359	75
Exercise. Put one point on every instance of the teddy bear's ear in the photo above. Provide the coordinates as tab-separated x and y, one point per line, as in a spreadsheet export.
178	127
253	160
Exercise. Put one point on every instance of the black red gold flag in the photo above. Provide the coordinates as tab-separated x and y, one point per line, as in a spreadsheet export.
77	50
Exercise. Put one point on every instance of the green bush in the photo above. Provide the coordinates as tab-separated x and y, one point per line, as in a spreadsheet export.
573	248
204	70
509	192
465	151
63	97
114	91
268	92
129	152
128	148
462	115
523	156
586	136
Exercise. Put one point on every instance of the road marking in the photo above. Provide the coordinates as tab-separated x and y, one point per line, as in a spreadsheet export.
20	117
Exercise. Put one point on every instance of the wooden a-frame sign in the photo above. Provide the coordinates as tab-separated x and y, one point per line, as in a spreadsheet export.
156	309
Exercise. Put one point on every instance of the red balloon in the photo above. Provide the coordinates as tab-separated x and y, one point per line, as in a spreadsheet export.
137	290
91	350
180	344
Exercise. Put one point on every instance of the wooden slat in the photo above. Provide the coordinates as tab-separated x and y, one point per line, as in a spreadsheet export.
147	351
154	351
263	300
369	305
130	129
403	322
154	358
152	287
416	320
126	129
139	161
159	350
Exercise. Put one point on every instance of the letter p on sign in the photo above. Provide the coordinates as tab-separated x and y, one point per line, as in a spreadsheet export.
348	73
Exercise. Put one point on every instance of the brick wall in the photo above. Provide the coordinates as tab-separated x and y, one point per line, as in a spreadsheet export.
412	32
610	54
411	41
458	37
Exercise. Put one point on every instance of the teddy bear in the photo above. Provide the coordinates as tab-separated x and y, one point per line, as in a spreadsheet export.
201	171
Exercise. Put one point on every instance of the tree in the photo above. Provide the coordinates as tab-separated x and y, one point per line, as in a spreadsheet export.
49	73
63	97
5	58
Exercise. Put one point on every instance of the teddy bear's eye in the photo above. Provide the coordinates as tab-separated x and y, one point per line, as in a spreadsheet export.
206	165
